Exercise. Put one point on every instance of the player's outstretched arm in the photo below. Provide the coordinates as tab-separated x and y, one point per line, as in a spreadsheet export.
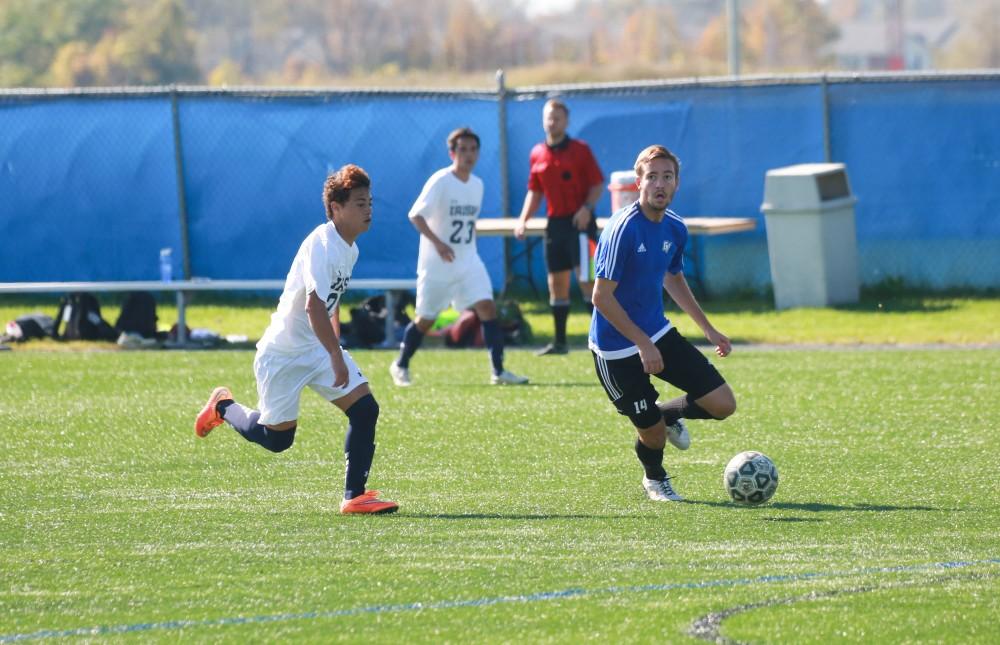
677	287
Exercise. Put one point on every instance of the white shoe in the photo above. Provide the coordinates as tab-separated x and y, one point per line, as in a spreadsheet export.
508	378
677	434
400	375
660	490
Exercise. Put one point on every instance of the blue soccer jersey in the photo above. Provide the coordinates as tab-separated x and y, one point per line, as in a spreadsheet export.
636	253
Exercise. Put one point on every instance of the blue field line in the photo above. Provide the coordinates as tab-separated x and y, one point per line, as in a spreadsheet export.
106	630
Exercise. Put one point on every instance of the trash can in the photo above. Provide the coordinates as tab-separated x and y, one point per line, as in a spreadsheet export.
623	188
811	239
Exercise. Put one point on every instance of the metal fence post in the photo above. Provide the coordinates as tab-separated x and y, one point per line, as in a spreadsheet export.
504	171
826	117
733	49
181	196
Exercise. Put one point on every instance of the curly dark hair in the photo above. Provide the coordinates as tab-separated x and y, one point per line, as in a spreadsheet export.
339	184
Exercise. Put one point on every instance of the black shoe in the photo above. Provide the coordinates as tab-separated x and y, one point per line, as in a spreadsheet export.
552	349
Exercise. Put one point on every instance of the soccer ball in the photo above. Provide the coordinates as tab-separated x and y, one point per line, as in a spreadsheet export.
750	478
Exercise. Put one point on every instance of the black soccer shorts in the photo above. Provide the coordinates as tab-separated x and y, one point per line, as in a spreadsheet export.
631	391
562	243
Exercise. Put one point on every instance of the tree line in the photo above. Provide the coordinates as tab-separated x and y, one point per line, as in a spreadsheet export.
73	43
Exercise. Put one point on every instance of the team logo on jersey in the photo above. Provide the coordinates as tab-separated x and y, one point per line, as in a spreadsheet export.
666	247
337	289
457	209
642	248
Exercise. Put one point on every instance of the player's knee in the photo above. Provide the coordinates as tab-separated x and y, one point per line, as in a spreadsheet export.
644	416
281	440
364	412
486	310
724	407
719	404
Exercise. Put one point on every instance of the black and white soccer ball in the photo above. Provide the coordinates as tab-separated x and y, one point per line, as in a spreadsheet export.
750	478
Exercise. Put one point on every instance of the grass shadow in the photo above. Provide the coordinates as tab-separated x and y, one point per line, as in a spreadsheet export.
868	304
818	507
512	516
531	385
896	305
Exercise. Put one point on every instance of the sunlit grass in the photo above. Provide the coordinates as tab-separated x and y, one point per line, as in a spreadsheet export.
522	518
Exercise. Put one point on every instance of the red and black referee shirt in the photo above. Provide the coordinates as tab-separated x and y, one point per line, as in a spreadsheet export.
564	173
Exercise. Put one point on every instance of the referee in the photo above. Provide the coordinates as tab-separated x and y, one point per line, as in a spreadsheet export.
562	170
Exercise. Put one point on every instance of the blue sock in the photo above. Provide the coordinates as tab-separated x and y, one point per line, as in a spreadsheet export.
494	341
411	343
359	445
244	421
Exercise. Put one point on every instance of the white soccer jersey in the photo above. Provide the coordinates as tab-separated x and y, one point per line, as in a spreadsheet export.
450	207
323	264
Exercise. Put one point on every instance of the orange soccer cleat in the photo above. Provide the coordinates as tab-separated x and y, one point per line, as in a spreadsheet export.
209	417
368	502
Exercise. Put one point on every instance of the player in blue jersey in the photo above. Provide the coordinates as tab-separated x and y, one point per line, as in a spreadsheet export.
639	253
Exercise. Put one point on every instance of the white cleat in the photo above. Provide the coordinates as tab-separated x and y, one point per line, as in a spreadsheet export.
678	435
660	490
400	375
508	378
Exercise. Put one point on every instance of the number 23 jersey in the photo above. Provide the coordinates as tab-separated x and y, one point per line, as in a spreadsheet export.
450	207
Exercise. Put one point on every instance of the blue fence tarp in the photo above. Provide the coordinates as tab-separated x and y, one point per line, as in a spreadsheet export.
88	182
87	189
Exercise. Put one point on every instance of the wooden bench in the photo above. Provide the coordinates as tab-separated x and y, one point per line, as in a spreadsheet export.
184	287
504	226
697	226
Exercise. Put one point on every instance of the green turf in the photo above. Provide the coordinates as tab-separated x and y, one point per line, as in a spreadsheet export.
522	518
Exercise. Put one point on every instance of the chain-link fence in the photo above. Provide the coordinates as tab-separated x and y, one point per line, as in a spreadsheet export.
94	183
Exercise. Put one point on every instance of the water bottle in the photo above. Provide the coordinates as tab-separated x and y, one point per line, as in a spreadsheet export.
166	265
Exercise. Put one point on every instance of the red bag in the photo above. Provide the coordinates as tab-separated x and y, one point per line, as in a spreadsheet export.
467	331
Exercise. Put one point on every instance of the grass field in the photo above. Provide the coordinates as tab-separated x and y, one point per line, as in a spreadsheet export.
522	517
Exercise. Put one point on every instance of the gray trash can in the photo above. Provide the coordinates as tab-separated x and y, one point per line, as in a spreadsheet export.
811	240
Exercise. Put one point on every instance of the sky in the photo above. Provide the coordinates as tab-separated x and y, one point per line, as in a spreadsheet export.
533	7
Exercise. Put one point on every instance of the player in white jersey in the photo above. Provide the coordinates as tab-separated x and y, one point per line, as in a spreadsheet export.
301	347
449	270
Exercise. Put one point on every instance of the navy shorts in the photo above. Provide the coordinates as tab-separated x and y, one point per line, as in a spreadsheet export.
684	367
562	243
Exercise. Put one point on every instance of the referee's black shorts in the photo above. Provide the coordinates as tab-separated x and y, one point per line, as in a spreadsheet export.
631	391
562	243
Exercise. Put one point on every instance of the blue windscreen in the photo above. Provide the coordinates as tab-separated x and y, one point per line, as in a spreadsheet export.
255	171
87	189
